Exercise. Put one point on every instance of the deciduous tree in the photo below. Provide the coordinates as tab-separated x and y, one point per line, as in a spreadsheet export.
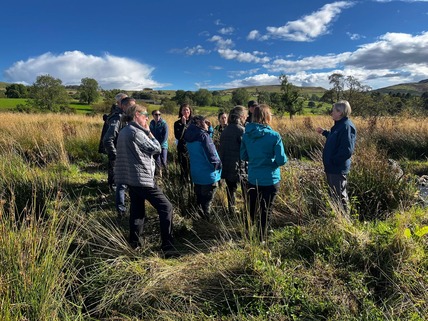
16	91
203	97
48	93
240	96
89	90
289	98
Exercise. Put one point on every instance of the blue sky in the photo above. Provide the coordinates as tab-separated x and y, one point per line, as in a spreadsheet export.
214	44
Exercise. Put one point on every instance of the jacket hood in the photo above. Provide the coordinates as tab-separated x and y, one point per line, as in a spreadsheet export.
194	133
255	131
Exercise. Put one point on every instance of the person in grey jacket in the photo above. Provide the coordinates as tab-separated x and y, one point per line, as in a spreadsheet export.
135	167
338	149
110	141
234	169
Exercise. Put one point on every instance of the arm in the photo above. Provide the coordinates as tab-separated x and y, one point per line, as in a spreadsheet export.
210	152
110	138
165	133
243	151
280	156
179	129
146	144
346	145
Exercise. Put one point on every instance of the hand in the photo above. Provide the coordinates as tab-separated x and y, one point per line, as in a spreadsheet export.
319	130
183	120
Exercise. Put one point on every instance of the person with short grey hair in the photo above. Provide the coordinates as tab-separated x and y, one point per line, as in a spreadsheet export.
338	150
135	168
110	142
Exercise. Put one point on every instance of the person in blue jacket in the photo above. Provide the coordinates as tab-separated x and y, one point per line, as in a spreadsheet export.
262	147
205	164
338	149
159	129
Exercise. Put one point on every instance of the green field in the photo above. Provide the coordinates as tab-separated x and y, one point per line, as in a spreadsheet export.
9	104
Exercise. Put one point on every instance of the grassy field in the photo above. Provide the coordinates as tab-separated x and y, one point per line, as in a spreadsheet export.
9	104
64	255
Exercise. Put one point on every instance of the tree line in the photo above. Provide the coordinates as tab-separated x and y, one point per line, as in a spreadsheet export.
49	94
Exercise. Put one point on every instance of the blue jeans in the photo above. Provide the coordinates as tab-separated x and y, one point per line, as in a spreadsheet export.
120	198
158	200
161	159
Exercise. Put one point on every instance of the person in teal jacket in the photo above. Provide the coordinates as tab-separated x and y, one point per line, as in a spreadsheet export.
262	147
338	149
205	164
159	129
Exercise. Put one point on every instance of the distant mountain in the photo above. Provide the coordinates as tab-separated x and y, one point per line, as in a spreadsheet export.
413	88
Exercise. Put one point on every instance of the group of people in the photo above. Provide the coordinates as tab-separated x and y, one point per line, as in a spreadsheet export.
243	150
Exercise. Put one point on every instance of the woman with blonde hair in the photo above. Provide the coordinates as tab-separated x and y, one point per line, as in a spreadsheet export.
263	149
135	167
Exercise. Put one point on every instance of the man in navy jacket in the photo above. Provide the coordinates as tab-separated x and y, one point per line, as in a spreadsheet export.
338	149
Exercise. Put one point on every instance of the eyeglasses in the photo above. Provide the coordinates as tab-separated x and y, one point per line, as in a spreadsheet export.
157	114
143	113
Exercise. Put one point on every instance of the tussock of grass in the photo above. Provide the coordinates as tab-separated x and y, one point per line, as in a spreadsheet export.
74	263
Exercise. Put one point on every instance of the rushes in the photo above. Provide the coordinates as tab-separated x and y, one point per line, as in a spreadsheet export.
65	260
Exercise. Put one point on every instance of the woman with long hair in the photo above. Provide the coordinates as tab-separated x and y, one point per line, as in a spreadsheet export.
263	149
180	126
234	169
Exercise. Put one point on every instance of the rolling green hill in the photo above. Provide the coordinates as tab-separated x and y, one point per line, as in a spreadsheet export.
413	88
416	88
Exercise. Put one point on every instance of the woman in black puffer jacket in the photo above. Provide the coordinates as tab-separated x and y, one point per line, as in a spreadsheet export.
234	169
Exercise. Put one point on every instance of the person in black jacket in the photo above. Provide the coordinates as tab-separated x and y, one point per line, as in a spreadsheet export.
338	149
234	169
180	126
110	142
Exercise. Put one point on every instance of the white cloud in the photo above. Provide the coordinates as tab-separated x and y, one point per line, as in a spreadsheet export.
257	80
197	50
254	34
395	57
401	0
308	27
221	43
354	36
392	51
71	66
240	73
241	56
307	63
226	30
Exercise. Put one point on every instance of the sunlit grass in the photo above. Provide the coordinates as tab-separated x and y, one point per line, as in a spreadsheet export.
69	259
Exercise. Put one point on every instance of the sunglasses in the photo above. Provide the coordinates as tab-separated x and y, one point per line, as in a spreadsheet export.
157	114
143	113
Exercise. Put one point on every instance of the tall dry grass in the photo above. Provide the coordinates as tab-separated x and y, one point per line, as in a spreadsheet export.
74	263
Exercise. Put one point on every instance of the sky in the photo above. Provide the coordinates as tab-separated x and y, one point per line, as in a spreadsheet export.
214	44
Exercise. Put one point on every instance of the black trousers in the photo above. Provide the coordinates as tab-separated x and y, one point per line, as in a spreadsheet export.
158	200
231	188
204	197
261	198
